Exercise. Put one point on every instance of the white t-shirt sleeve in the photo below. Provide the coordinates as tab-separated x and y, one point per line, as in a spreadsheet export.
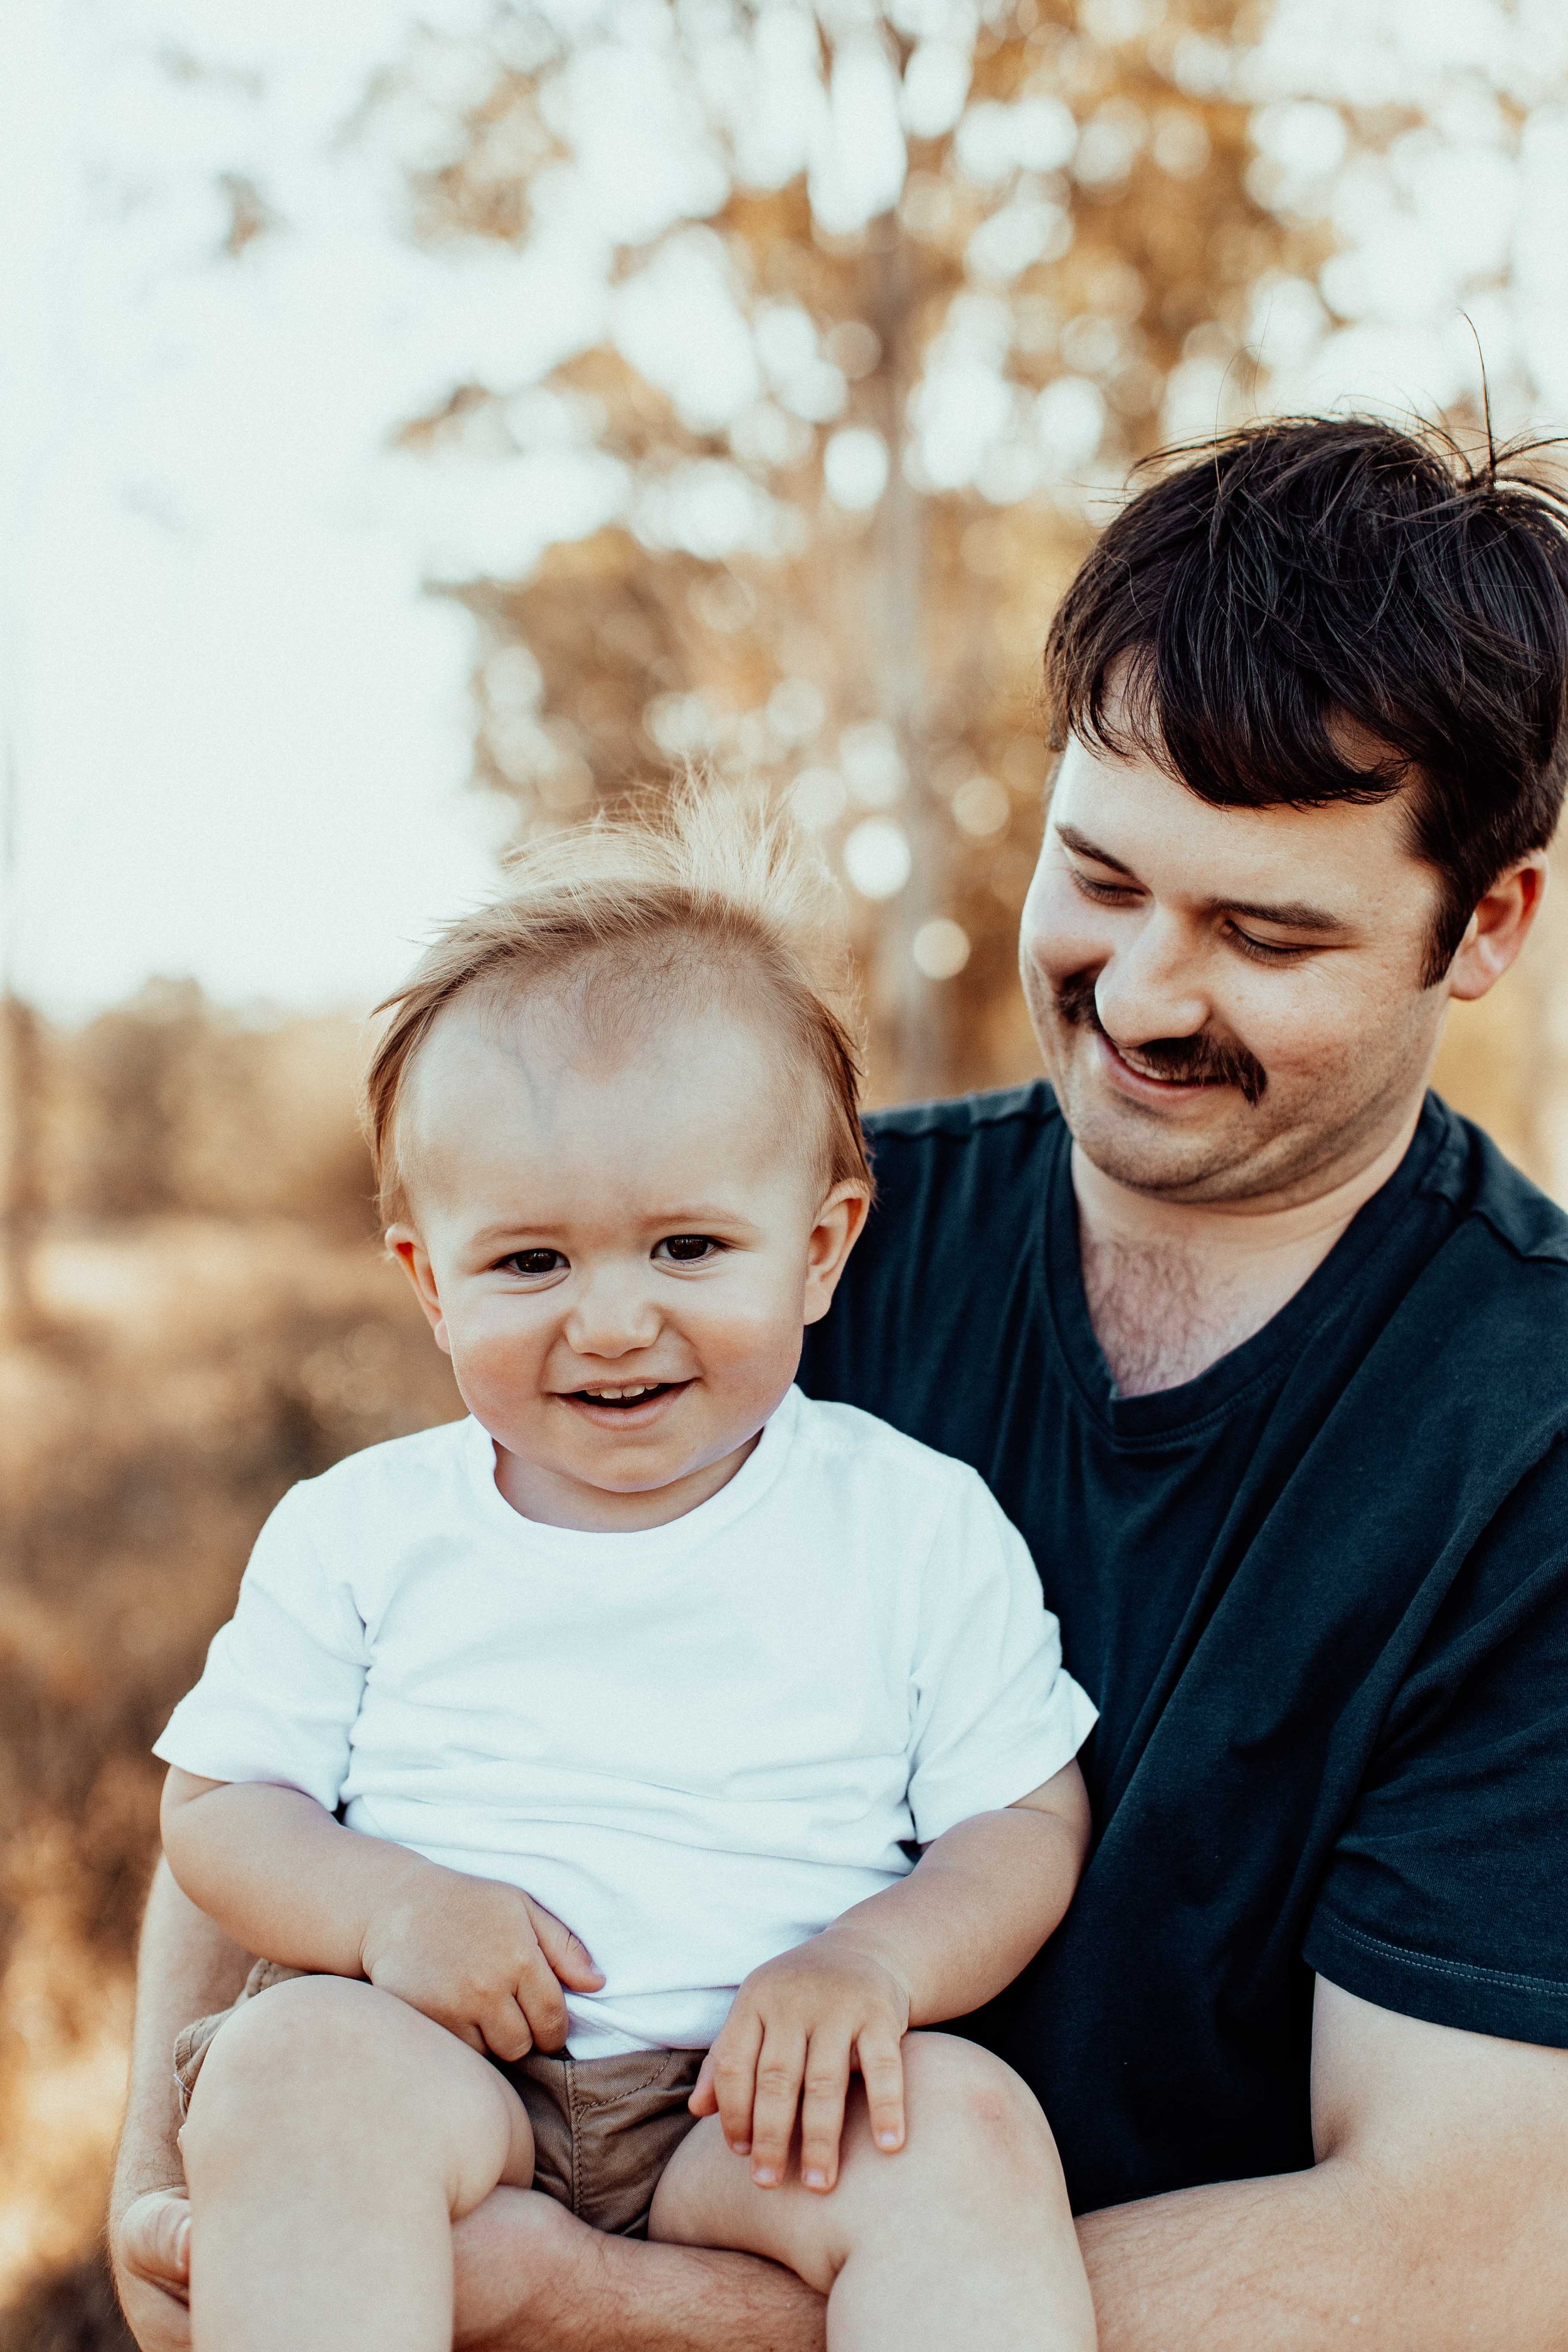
995	1713
281	1688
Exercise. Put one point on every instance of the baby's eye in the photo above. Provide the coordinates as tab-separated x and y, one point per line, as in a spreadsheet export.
532	1263
688	1249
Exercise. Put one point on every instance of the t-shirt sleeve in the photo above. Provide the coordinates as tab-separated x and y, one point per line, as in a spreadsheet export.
995	1713
278	1700
1444	1898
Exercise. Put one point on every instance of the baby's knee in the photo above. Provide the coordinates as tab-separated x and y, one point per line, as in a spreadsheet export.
323	2065
970	2089
968	2111
298	2046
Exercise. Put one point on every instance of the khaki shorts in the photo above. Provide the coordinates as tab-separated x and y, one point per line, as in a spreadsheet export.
603	2128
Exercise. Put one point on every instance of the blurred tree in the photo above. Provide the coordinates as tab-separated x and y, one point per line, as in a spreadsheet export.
21	1099
914	289
21	1317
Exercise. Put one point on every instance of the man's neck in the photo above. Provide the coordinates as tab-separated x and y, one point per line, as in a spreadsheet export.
1173	1286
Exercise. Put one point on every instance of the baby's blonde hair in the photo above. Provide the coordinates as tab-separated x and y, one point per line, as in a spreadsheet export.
699	894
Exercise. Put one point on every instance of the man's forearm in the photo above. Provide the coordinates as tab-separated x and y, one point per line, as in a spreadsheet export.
1365	2255
187	1967
529	2278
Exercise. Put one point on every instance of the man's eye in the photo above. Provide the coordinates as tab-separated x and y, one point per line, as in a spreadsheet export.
1266	950
688	1249
1104	894
532	1263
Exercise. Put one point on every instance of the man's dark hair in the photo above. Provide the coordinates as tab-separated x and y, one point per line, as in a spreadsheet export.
1294	576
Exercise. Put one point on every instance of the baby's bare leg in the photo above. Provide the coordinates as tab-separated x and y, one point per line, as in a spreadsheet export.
963	2237
334	2137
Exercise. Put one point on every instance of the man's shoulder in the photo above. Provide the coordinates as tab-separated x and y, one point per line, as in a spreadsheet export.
1531	1227
1000	1118
958	1157
1479	1338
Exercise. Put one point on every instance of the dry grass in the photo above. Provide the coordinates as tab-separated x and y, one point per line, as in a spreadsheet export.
192	1369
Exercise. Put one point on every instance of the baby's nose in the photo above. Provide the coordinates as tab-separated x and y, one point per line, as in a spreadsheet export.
611	1318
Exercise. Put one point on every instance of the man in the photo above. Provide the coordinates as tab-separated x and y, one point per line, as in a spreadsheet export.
1267	1355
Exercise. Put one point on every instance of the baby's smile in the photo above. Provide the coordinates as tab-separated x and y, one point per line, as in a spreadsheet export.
638	1402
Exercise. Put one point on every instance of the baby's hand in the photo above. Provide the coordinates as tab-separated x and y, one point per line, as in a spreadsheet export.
483	1960
805	2020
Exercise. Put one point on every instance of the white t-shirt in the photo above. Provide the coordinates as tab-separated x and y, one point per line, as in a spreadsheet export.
697	1743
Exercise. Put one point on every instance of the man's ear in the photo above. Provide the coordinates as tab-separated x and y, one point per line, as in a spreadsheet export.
404	1242
840	1222
1498	928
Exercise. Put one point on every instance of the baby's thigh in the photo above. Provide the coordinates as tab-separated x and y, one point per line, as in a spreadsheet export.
326	2062
707	2197
978	2152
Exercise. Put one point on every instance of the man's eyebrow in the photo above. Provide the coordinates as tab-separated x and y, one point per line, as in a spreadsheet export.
1291	914
1081	845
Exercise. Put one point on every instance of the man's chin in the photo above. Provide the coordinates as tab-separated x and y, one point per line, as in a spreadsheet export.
1198	1151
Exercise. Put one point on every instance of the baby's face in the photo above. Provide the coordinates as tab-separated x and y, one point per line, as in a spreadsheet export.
619	1254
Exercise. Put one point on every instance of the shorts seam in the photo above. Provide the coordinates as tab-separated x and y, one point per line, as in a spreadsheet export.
574	2135
630	2090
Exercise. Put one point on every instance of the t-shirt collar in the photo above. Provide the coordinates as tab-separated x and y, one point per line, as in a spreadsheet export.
1214	1391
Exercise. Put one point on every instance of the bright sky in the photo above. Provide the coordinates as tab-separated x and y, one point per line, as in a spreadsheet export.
240	731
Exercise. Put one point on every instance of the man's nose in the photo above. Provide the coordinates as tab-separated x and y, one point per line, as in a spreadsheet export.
1150	986
611	1314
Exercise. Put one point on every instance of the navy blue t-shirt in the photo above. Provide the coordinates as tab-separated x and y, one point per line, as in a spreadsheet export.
1319	1595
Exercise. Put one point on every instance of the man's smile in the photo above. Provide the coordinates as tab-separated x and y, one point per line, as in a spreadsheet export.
1163	1068
1128	1064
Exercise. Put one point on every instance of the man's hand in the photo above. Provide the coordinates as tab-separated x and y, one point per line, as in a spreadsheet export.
150	2246
483	1960
798	2026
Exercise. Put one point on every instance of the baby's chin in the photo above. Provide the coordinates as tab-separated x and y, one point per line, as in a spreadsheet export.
592	1466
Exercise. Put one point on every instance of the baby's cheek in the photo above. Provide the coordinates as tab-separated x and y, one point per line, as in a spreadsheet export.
753	1359
493	1365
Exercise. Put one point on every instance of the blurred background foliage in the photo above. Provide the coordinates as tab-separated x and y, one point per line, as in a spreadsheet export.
917	288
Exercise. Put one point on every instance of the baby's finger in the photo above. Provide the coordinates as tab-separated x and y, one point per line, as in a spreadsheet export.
822	2109
882	2060
463	2028
507	2031
568	1955
779	2071
704	2099
734	2059
539	1998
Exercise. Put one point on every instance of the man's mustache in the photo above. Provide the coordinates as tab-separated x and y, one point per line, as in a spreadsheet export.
1199	1061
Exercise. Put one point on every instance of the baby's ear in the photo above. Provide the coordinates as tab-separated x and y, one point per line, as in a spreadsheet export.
406	1246
840	1222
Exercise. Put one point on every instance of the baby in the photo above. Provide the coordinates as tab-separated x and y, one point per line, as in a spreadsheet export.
568	1764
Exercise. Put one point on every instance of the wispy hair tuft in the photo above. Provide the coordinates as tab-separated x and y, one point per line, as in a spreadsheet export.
664	903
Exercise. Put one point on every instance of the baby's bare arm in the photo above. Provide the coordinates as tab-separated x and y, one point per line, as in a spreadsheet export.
980	1902
284	1879
977	1906
278	1873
